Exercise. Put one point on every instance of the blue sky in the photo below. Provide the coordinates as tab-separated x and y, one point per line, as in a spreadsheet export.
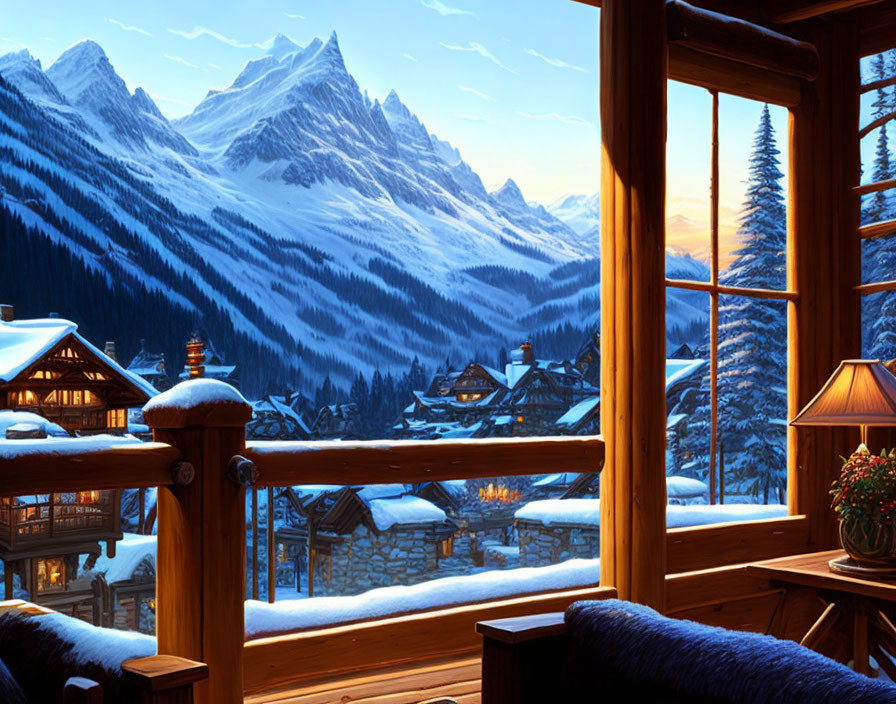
511	83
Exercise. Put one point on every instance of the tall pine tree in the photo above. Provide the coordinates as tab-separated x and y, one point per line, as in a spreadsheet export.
753	332
878	255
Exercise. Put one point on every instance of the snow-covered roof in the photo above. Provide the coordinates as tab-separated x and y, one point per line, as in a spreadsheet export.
578	412
561	478
194	392
380	491
130	552
550	511
684	487
494	374
679	369
23	342
404	510
10	418
515	372
273	404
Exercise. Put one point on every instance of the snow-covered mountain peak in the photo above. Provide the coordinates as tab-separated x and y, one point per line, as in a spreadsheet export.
510	195
144	103
83	69
282	46
24	71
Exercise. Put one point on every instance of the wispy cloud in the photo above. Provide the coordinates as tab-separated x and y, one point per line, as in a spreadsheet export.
197	32
559	63
480	94
443	9
477	48
566	119
214	66
47	39
410	58
127	27
181	60
294	17
163	99
474	118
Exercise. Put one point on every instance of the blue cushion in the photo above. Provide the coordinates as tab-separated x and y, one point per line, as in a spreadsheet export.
705	663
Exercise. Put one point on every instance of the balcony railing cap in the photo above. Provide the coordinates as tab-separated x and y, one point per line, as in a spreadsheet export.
203	402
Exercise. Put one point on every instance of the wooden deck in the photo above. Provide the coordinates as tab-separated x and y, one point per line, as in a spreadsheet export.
458	679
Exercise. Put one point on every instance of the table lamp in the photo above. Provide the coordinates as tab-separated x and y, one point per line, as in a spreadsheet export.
860	392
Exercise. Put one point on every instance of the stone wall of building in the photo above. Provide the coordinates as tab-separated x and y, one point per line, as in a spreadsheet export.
542	545
405	555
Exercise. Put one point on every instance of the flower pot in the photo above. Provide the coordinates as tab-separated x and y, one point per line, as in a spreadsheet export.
867	542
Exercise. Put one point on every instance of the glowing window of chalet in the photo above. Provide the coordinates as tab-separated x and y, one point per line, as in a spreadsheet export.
117	418
469	397
68	353
50	575
96	376
44	374
27	398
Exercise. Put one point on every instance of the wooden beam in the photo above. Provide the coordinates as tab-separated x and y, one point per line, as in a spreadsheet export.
877	85
783	11
633	412
877	287
823	256
740	41
877	187
874	124
727	76
40	468
201	574
409	461
340	650
705	547
877	27
732	290
877	229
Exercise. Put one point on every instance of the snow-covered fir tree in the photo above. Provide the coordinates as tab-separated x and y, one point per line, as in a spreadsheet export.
878	255
753	333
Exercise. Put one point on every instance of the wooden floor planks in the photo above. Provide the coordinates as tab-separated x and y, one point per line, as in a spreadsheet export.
458	679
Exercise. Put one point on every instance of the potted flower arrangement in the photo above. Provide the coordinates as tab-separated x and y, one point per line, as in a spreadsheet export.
865	500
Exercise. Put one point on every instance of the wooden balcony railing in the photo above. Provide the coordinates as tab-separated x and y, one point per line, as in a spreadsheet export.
199	464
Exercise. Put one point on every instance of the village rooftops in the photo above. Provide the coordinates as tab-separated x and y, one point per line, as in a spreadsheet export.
24	342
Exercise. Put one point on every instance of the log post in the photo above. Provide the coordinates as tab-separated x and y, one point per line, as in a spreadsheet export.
633	412
201	573
823	267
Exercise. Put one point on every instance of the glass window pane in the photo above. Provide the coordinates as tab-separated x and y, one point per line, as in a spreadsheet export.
879	326
879	259
752	390
753	215
688	172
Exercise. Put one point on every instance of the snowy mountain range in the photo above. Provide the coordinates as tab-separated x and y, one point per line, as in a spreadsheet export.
334	231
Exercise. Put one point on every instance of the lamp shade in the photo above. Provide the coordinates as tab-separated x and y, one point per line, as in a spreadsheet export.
859	392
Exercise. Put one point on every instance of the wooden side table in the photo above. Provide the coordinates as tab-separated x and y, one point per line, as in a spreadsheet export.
856	622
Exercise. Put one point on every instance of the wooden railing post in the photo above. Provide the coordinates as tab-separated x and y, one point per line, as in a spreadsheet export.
201	574
633	405
163	679
80	690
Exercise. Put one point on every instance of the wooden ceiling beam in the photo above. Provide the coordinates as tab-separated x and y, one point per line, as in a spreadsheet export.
740	41
784	11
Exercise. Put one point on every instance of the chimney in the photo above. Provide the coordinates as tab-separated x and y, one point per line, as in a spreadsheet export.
7	314
110	350
528	353
196	357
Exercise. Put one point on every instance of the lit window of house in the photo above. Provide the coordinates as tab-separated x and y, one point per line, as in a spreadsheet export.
117	418
50	575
